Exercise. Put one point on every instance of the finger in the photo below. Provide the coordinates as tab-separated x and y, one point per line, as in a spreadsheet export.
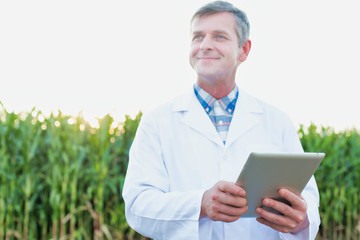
229	199
298	204
232	188
279	206
274	226
283	222
229	210
297	201
223	217
291	218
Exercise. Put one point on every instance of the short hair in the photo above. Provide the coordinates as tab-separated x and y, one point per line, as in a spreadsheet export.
242	22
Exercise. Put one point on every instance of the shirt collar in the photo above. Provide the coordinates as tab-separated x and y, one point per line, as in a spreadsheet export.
207	101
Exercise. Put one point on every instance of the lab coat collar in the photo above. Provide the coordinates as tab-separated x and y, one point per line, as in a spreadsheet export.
195	117
246	115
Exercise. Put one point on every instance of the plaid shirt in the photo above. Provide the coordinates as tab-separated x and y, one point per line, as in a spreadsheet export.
220	111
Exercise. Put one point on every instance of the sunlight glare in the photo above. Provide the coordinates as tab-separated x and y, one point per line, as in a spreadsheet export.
82	127
57	123
16	123
41	118
71	121
94	123
34	114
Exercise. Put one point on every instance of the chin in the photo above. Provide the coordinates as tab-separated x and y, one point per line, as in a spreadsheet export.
206	72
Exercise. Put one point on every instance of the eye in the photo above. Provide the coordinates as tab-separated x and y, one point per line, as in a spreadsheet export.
197	37
220	37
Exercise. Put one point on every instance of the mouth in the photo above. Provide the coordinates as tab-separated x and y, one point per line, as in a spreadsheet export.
207	58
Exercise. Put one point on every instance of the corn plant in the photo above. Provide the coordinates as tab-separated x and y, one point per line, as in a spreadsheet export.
60	178
338	178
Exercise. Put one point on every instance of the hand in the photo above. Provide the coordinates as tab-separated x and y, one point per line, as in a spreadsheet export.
225	201
294	216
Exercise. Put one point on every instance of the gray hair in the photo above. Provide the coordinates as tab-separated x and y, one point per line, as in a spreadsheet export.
242	22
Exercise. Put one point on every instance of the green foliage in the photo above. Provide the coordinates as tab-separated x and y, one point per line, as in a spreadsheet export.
61	178
338	179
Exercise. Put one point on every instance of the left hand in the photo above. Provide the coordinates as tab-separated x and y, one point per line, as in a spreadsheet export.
294	217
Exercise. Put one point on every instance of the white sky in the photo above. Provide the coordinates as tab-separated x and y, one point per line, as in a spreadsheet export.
121	57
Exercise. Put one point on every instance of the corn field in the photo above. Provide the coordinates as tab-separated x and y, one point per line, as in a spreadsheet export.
61	178
338	178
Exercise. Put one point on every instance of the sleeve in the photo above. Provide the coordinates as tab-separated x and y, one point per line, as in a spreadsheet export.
150	207
310	193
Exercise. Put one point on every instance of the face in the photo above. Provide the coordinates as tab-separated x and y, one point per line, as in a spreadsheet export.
215	52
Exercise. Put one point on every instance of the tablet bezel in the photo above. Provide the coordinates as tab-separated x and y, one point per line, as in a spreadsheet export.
261	178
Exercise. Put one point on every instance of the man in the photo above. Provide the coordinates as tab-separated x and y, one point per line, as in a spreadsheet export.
187	153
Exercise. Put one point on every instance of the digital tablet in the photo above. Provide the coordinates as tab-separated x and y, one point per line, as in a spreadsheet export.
265	173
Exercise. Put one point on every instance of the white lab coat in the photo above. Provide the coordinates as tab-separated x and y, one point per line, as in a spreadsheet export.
177	155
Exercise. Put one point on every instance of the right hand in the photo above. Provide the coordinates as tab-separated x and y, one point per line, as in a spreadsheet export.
225	201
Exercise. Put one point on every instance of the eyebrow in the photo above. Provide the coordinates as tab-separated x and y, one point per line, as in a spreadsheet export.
221	32
214	32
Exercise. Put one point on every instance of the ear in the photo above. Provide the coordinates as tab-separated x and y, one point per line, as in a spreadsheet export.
244	51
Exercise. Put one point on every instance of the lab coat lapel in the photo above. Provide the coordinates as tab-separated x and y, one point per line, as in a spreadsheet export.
196	118
246	116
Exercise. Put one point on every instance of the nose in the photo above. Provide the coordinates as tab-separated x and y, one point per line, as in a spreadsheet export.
207	43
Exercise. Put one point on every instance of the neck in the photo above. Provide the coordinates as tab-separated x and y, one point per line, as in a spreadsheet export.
217	89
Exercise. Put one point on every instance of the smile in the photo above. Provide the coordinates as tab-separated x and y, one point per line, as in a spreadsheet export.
207	58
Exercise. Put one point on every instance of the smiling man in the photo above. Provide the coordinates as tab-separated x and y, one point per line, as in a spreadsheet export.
187	153
216	52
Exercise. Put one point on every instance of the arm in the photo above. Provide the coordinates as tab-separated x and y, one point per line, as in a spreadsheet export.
302	220
150	207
